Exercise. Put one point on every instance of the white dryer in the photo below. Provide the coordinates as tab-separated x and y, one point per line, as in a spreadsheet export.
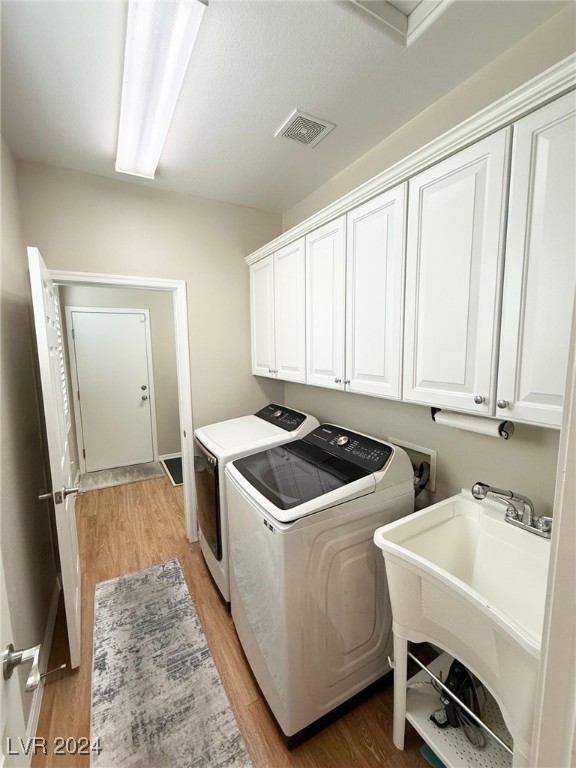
308	587
217	444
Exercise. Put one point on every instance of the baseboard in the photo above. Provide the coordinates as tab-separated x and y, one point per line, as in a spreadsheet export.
44	658
170	456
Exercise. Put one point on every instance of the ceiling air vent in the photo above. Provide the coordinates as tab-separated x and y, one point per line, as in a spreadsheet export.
305	128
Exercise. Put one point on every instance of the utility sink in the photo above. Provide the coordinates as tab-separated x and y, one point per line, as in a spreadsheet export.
463	578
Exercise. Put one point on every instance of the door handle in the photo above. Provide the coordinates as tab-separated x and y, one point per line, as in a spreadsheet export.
58	496
144	397
12	658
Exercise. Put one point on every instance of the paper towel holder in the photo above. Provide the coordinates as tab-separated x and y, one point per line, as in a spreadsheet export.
505	428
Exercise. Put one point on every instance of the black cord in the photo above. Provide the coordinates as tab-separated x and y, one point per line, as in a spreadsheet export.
422	475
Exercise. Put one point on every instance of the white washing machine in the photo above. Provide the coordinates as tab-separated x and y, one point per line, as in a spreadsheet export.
308	586
216	445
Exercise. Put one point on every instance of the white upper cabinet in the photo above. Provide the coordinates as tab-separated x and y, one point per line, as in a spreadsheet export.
262	316
374	294
456	217
278	308
540	274
290	312
325	304
452	289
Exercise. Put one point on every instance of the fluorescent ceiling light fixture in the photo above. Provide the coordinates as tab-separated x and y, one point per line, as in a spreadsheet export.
159	41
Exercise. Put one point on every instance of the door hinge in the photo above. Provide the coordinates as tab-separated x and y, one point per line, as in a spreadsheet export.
83	453
78	393
73	333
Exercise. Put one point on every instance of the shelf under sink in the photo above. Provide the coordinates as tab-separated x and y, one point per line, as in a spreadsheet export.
451	744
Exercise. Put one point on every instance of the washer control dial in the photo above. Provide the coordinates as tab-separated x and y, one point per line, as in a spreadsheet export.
343	440
277	414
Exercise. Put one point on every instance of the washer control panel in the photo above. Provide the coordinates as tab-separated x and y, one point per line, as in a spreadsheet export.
365	452
282	417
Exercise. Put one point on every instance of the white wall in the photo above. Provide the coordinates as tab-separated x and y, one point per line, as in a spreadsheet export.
547	45
87	223
161	308
526	463
25	522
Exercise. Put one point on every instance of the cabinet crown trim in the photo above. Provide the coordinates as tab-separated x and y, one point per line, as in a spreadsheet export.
546	86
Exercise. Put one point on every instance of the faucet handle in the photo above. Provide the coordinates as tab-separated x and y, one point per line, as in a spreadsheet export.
544	523
512	513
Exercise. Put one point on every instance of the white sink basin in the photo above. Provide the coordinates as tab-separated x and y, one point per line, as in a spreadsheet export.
463	578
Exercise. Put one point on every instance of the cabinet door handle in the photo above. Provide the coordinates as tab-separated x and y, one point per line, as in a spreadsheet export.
337	381
479	399
346	381
502	403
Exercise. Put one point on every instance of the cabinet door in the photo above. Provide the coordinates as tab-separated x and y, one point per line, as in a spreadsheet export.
540	273
325	310
290	311
374	294
456	214
262	316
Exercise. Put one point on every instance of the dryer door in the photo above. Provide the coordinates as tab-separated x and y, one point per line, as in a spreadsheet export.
208	497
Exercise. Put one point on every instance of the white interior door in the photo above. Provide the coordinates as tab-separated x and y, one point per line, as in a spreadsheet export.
47	322
12	727
112	369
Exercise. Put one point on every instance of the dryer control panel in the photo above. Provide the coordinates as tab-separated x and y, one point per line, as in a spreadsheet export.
365	452
282	417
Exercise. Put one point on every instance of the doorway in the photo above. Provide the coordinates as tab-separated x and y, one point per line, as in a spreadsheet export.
179	403
112	374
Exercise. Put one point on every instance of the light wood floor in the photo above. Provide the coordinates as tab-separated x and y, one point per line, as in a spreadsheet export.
130	527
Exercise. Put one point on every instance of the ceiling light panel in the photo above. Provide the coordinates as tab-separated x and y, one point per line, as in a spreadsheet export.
159	40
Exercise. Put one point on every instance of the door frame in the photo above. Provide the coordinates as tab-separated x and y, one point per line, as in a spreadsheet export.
179	299
76	383
555	711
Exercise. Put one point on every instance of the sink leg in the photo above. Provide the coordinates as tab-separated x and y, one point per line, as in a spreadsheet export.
519	759
400	681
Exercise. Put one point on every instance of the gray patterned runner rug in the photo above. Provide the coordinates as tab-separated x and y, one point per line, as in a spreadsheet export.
157	698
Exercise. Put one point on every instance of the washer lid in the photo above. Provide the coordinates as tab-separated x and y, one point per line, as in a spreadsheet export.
293	474
225	437
365	486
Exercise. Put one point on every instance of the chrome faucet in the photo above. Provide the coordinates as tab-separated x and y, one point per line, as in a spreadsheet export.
519	509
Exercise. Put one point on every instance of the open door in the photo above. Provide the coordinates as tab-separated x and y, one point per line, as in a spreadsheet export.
52	369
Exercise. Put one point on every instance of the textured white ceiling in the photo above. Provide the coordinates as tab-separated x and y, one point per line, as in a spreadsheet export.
254	63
